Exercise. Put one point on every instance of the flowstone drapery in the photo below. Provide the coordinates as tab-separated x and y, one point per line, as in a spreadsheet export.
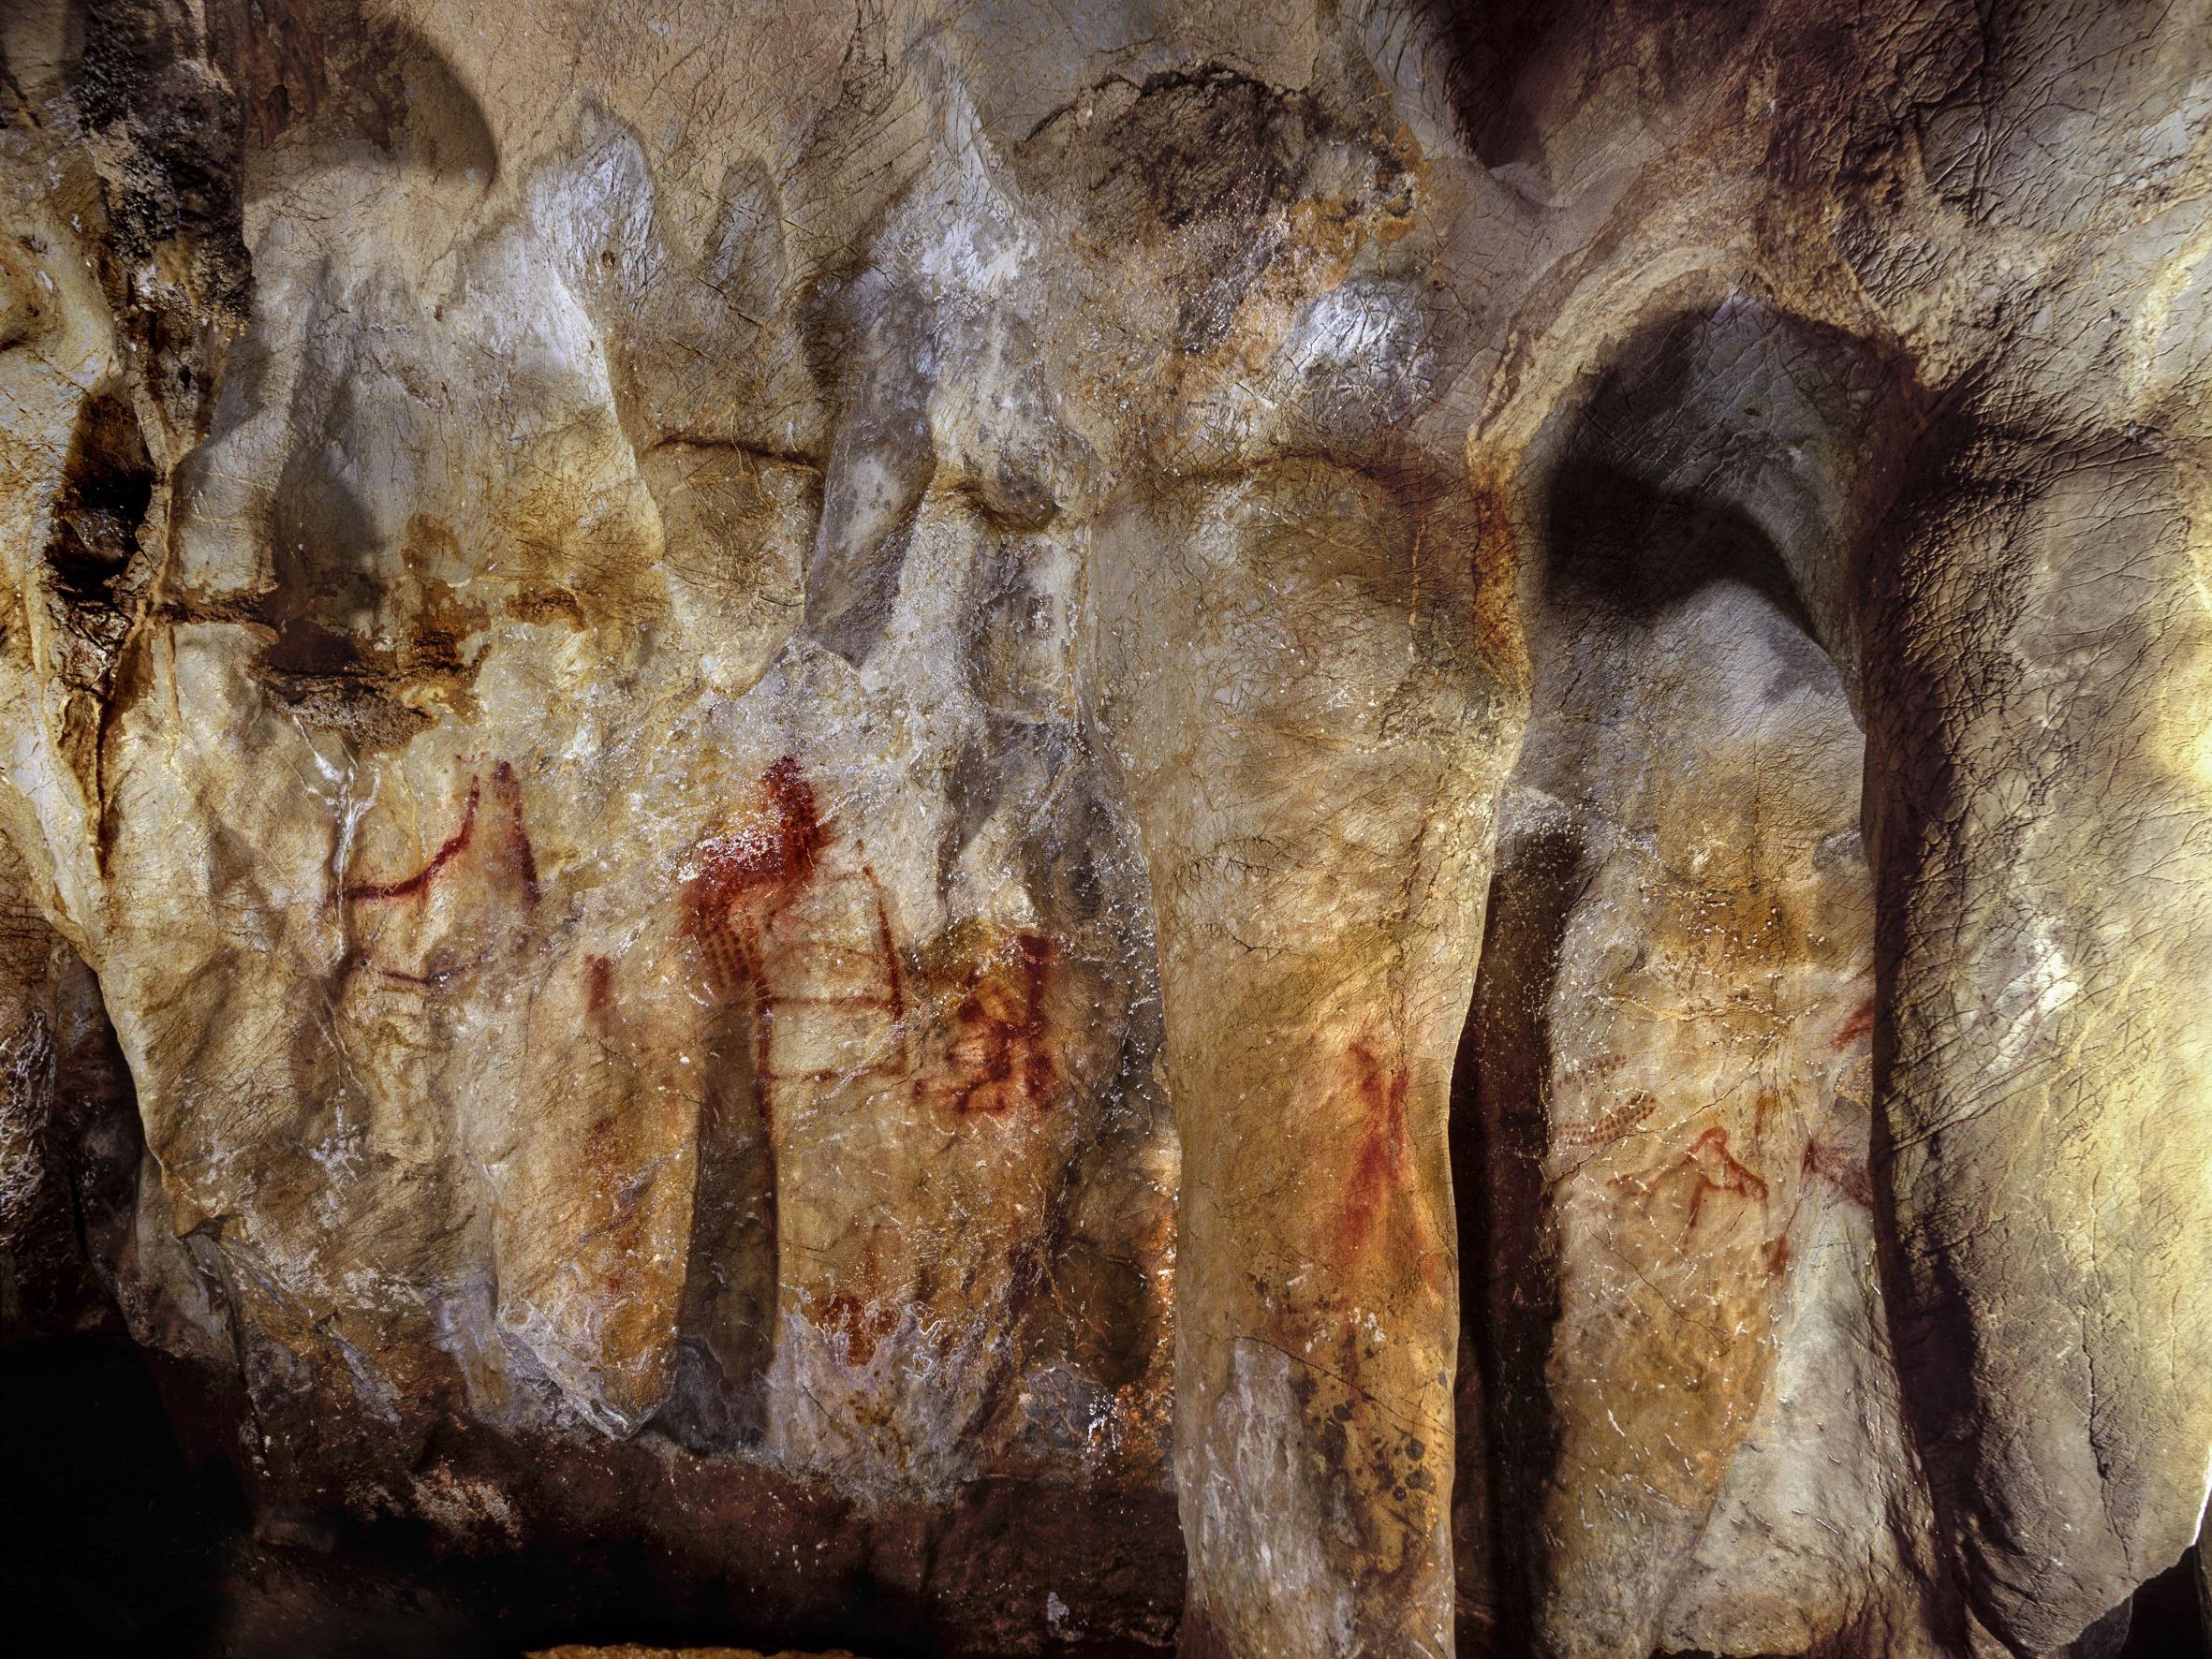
1318	829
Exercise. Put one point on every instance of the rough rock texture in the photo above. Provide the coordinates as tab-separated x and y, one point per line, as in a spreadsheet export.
872	794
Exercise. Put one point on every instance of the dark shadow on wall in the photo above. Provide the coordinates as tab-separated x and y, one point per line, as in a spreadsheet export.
1633	522
1508	61
1635	549
2171	1616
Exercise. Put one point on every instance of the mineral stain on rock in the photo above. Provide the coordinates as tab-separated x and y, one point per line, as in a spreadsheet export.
1378	1214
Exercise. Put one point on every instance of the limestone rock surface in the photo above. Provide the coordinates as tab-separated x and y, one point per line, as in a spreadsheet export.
1348	829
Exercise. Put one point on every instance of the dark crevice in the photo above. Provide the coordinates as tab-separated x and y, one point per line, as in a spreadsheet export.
106	486
1499	1131
718	1398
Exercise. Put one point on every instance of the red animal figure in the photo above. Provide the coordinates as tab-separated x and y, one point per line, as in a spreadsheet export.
1687	1182
774	915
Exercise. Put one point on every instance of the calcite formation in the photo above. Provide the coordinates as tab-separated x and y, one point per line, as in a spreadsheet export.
1329	828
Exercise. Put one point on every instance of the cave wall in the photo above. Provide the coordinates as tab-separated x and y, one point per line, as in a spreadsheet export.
1310	830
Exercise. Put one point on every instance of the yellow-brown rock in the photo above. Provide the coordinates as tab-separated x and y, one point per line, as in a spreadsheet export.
1350	829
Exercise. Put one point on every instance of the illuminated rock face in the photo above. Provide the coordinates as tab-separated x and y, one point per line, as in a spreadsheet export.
875	797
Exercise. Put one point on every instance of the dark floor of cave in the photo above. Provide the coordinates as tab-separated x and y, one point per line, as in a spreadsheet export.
118	1546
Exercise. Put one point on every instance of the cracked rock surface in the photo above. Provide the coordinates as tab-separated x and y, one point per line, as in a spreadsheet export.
1358	827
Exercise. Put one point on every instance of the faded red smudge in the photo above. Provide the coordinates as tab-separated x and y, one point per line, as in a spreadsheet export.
1841	1168
370	892
1000	1050
1384	1165
598	993
520	854
618	1215
1860	1024
864	1322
